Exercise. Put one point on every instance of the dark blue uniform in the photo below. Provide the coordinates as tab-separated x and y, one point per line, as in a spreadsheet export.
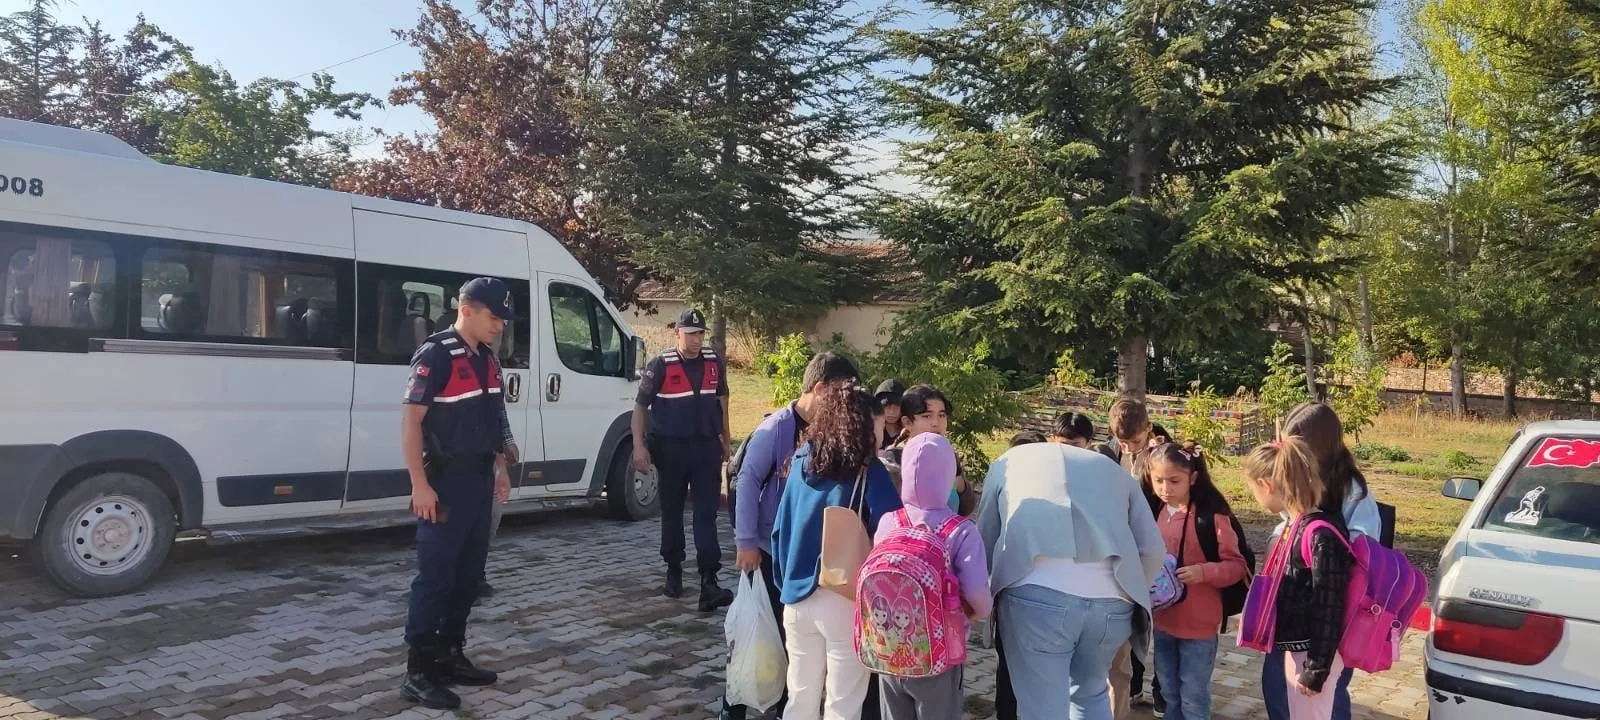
685	400
462	433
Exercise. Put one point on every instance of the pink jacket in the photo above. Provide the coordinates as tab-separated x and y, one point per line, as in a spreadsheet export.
1199	616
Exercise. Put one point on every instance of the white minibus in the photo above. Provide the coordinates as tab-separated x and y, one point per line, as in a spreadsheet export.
190	354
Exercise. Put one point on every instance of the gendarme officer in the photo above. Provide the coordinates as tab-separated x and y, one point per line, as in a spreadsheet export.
452	432
684	396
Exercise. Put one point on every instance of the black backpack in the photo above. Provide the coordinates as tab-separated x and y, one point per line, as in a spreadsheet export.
1205	529
736	462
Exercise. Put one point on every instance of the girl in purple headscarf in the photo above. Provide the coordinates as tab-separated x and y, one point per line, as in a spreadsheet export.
927	477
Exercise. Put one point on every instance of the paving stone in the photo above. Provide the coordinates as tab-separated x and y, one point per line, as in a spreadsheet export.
309	629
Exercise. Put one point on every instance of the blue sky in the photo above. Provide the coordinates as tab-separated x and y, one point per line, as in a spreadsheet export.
292	38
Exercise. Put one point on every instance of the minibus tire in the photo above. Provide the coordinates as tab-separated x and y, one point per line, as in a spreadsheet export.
622	495
106	535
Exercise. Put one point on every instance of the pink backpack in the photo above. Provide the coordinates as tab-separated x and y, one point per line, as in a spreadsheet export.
909	621
1385	591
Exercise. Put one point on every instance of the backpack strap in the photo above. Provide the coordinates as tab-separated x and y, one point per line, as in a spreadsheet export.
1205	530
781	462
1314	525
950	526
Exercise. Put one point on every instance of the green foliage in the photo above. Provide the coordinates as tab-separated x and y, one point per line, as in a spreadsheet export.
788	366
728	167
1374	452
1284	386
918	353
1357	384
262	129
925	352
1067	374
37	71
149	90
1131	181
1199	426
1458	460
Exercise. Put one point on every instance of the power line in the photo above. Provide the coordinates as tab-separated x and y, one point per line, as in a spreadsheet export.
362	56
369	53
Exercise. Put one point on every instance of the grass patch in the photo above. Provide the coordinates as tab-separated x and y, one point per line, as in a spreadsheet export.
749	399
1371	451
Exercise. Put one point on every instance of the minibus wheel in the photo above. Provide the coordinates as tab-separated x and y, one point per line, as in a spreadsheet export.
106	535
632	495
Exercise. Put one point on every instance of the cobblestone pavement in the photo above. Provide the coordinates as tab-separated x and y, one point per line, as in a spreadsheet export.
311	629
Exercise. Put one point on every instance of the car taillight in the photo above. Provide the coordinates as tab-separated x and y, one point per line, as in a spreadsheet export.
1499	634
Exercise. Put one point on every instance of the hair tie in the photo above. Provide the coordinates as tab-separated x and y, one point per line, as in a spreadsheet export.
1278	443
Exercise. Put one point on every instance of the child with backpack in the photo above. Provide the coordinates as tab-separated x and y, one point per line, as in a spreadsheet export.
1199	531
1306	614
927	574
1345	492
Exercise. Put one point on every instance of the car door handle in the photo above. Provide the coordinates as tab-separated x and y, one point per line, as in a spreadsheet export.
552	387
513	388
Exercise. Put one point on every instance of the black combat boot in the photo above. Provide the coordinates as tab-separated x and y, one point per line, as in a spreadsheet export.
422	685
674	586
456	669
712	596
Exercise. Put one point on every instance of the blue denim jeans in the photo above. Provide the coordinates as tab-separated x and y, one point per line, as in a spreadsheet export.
1275	690
1184	667
1048	636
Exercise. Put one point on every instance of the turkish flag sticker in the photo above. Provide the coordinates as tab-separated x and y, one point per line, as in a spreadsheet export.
1566	452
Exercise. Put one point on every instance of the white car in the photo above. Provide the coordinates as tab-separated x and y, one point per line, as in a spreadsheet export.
1516	627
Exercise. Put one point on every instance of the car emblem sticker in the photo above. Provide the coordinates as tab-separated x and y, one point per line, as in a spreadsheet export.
1503	598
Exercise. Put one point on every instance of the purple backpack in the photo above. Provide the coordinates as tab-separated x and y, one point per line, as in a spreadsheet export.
1385	591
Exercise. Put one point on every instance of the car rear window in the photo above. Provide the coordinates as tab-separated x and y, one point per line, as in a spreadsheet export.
1554	492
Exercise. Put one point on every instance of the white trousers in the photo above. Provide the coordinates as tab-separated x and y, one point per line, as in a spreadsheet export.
826	680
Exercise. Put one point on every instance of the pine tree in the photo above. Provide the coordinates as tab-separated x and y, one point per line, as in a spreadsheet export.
730	170
1152	169
37	69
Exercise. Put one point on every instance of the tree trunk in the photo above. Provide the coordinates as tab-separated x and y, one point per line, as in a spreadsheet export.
1458	382
1309	348
1508	403
1366	311
729	158
1425	395
1132	363
719	331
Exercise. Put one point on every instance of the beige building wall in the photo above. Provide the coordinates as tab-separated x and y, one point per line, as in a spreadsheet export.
653	327
862	326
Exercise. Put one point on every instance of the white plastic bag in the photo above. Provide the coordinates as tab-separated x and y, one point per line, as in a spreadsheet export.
758	664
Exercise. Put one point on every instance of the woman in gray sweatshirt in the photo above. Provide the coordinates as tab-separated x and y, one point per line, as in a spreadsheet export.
1072	547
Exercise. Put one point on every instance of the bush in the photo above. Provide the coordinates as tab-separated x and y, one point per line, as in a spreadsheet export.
787	363
1370	452
1197	425
1457	460
1357	378
1285	384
